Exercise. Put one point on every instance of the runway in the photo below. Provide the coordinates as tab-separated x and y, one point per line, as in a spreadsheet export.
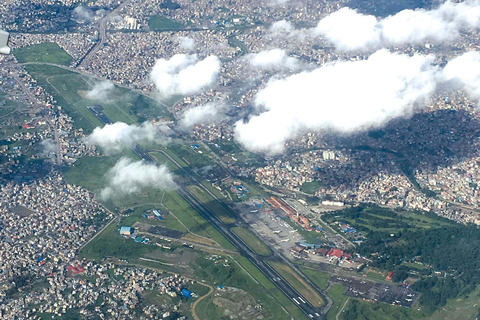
306	307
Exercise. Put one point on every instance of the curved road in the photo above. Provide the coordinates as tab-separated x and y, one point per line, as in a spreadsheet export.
194	312
103	34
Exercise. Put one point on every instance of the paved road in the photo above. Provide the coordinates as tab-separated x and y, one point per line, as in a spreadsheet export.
306	307
103	35
49	119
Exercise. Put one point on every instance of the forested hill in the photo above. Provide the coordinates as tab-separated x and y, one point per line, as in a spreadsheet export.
449	252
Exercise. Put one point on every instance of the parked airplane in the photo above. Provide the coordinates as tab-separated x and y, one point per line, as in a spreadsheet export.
4	48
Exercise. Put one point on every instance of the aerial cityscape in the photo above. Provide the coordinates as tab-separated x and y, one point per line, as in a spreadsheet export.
263	160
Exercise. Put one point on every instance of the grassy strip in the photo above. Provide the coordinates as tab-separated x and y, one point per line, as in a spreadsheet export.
338	298
190	216
320	278
271	288
162	159
212	204
298	283
69	90
252	241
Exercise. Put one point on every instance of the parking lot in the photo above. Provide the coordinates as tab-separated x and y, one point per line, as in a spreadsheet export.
388	293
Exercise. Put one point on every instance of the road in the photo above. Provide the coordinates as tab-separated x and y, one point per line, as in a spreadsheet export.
49	119
194	312
103	35
306	307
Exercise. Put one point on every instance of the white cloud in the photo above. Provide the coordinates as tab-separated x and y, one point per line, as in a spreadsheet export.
82	14
184	74
278	2
101	91
48	146
121	135
208	113
464	71
349	30
275	59
186	43
344	96
128	177
282	26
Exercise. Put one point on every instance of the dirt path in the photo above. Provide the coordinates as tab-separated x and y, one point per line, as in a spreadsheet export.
194	305
341	309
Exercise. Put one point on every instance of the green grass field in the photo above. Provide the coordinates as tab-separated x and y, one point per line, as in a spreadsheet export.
466	306
298	283
7	106
89	173
252	241
162	159
382	220
69	90
378	275
264	291
213	190
338	298
414	265
44	52
190	217
169	222
272	298
360	310
310	187
192	157
320	278
8	109
215	206
110	244
162	23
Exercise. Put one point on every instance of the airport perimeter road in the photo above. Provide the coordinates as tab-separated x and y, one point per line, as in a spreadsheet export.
306	307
